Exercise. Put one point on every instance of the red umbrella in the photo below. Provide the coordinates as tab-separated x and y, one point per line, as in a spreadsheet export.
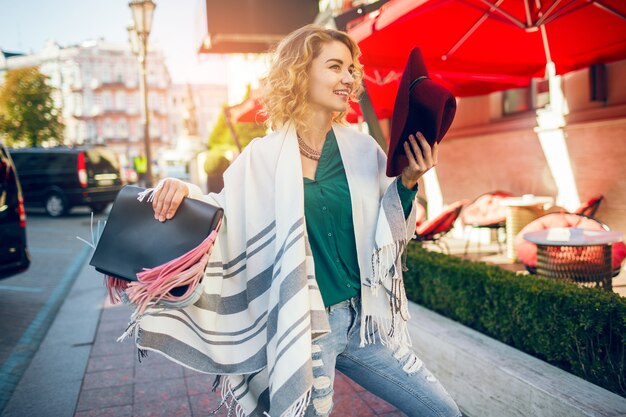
248	111
480	46
382	86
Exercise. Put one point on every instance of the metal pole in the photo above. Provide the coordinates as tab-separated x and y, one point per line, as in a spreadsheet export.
367	109
233	132
143	57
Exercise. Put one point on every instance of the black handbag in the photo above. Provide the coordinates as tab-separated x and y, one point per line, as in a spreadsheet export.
133	241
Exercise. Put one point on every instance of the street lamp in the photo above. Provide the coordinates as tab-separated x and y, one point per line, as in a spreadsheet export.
138	34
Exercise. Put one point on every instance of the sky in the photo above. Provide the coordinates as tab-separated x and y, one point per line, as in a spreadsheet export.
26	26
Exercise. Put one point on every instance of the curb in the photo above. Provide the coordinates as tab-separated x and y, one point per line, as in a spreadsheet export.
490	379
54	377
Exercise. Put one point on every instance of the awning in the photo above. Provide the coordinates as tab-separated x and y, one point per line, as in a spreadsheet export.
252	26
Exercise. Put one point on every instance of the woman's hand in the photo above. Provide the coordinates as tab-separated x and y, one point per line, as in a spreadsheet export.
167	197
421	158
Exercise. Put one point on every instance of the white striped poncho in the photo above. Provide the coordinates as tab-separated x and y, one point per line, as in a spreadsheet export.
261	306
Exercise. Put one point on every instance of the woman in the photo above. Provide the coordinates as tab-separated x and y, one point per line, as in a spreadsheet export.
305	277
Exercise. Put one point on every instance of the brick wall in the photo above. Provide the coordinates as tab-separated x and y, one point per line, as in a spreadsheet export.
485	151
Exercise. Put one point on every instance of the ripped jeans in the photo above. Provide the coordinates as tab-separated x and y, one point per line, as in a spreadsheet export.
399	378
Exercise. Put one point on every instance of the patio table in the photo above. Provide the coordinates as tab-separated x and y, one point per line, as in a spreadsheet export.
519	212
578	255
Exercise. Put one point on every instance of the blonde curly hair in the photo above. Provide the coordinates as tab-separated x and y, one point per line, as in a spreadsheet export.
286	85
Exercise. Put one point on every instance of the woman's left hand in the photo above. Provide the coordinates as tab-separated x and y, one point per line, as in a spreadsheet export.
421	156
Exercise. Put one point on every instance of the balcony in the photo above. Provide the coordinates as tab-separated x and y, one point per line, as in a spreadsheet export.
76	86
113	112
119	84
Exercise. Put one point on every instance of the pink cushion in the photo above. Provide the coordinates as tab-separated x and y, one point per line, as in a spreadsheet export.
619	253
527	251
486	210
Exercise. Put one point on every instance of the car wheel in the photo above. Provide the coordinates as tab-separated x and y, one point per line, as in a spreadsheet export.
55	205
98	208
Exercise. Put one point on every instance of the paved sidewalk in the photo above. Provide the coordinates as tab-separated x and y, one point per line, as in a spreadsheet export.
117	384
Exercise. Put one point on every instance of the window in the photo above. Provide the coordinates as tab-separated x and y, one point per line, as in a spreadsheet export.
78	104
119	72
515	101
120	100
105	73
86	71
122	129
107	100
108	128
540	90
134	131
154	129
132	77
152	77
68	105
81	132
102	160
77	75
153	101
97	103
87	100
91	131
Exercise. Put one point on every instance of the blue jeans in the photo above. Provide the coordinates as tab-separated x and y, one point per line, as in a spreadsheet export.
400	377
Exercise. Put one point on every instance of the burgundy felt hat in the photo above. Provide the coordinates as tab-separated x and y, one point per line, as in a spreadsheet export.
421	105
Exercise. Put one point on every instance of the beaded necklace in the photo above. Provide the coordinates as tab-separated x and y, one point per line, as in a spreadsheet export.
307	151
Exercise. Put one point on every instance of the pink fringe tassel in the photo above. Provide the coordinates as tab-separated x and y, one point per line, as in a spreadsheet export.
115	288
155	284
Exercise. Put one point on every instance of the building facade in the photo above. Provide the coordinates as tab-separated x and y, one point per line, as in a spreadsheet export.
196	104
97	88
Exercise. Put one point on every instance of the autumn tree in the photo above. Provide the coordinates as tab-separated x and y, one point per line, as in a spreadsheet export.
28	116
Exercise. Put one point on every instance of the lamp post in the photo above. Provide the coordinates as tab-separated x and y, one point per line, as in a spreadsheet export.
138	34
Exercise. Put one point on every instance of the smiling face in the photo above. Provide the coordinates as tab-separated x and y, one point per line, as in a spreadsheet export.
331	78
309	77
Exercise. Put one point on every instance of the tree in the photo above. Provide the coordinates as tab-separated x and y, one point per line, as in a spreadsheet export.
221	136
222	143
28	116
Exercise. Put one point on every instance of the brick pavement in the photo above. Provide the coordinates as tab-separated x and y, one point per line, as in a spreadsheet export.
117	385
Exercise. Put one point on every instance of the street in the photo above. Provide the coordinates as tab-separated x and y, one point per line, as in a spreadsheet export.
30	301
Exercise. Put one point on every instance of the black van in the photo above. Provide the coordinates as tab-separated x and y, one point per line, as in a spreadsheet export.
58	179
14	256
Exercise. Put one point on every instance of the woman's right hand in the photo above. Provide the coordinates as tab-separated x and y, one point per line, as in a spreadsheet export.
167	197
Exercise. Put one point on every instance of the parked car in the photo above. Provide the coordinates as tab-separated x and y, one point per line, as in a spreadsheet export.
58	179
14	256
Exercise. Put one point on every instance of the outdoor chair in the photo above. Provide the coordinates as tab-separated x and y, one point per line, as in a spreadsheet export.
485	212
433	230
527	251
589	207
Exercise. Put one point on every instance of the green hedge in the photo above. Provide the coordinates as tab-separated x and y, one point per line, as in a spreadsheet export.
580	330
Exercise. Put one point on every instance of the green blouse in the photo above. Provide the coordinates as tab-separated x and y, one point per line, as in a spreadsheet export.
328	213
